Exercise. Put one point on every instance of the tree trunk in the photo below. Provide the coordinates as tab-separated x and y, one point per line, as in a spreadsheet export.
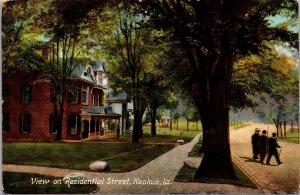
298	124
214	110
177	125
60	119
277	125
137	125
55	118
136	121
280	125
187	125
170	122
292	128
153	123
284	128
202	148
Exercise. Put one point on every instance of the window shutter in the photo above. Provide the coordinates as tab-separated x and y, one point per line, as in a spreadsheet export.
78	123
20	123
29	123
8	122
50	123
30	93
69	123
21	94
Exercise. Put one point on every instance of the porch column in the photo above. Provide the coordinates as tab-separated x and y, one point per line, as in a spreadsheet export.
89	120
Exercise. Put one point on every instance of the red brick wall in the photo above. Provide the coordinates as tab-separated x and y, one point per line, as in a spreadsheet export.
39	108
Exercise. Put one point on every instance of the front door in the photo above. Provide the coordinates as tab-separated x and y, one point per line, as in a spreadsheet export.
85	131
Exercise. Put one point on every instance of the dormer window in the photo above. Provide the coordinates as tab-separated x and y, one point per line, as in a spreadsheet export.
88	72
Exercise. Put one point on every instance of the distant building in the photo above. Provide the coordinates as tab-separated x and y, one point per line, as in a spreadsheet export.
28	111
119	104
165	121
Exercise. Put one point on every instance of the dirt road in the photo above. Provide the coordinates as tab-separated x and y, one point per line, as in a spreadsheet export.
285	176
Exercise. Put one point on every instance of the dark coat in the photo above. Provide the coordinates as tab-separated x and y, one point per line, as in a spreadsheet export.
273	144
263	141
255	143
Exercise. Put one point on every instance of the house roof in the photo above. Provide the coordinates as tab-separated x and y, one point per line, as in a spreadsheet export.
80	71
99	66
97	110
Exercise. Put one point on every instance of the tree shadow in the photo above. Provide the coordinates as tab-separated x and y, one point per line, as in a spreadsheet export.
248	159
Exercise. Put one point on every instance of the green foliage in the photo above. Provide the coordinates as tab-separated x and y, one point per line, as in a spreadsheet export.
18	40
255	74
176	116
191	113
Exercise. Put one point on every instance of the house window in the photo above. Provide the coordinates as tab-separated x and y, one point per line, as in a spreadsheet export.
5	93
85	95
96	98
24	123
5	122
74	121
51	124
26	94
73	96
88	72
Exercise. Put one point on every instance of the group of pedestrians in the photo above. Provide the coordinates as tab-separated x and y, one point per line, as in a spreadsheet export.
263	146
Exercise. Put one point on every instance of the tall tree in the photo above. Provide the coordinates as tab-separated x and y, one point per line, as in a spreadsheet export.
157	95
64	24
212	34
129	62
176	117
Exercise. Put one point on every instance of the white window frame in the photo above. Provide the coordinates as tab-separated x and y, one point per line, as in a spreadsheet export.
22	123
77	96
74	131
85	89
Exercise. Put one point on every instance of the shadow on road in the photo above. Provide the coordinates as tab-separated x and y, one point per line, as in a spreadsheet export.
249	159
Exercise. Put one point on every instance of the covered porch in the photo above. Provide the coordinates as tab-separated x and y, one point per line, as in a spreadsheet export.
99	125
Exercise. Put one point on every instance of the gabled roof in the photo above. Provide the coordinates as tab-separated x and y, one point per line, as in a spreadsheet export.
80	71
99	66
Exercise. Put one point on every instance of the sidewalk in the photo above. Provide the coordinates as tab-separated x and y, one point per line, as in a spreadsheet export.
270	179
258	178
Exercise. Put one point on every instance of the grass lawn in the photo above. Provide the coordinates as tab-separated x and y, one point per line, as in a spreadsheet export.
80	155
186	174
164	135
174	133
195	151
20	183
291	137
147	138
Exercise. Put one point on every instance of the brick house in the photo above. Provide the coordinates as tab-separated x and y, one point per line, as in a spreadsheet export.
28	111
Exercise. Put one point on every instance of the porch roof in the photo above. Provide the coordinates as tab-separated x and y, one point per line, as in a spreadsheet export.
98	110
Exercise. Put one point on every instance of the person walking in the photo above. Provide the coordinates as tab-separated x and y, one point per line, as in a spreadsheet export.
263	143
255	141
273	145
